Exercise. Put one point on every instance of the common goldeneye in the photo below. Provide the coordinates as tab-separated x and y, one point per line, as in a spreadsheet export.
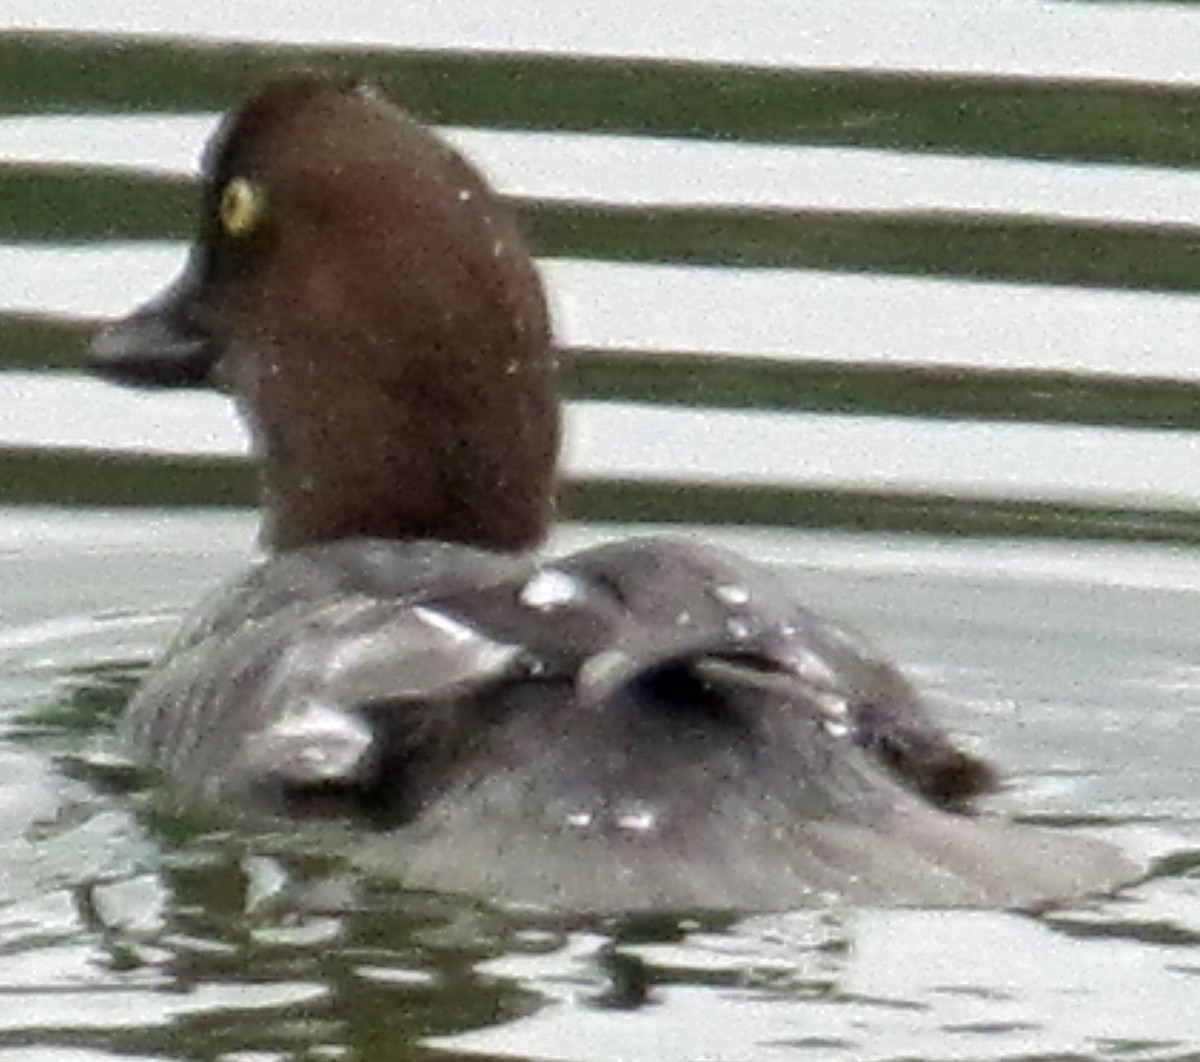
649	724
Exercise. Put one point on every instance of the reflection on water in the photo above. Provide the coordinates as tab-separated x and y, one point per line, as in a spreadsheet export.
644	170
798	285
1128	42
972	250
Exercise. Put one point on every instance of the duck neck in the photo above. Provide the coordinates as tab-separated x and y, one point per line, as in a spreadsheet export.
475	466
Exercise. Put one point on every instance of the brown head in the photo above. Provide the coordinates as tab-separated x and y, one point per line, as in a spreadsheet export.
359	290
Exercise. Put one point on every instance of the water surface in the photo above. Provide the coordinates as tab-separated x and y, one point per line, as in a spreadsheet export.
900	297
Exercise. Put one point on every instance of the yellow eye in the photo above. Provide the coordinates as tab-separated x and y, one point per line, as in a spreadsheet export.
241	207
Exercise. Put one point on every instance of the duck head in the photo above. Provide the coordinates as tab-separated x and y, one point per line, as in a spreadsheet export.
367	300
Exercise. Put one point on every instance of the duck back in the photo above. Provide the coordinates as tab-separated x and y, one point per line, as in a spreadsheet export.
650	724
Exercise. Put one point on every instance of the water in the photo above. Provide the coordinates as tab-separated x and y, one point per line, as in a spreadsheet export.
900	297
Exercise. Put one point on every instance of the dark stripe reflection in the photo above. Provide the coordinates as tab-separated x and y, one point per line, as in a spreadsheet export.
986	116
83	479
38	344
63	204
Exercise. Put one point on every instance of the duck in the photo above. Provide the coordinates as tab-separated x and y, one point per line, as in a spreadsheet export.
649	724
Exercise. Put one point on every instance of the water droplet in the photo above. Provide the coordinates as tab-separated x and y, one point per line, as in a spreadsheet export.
837	730
580	819
684	619
311	744
833	706
549	589
731	594
498	248
464	195
445	624
738	629
604	671
813	668
637	818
